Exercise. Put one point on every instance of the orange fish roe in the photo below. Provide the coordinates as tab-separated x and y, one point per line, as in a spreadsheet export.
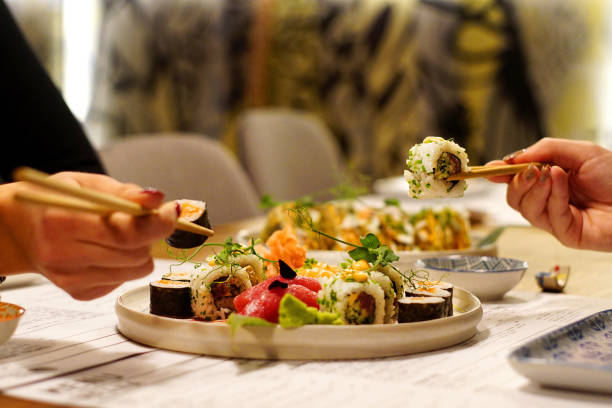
284	245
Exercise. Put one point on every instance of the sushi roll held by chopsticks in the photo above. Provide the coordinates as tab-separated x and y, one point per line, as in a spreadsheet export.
193	211
430	163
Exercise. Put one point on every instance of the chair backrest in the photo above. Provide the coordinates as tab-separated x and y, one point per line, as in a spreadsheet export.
185	166
288	154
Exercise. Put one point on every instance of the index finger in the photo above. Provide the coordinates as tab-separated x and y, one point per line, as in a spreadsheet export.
148	198
567	154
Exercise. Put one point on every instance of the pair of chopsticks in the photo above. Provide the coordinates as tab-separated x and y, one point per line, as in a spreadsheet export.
87	200
491	171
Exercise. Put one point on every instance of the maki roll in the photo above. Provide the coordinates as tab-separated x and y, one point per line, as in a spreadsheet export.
254	267
447	286
397	279
170	298
178	276
390	295
213	291
397	285
356	301
430	291
430	163
420	308
192	211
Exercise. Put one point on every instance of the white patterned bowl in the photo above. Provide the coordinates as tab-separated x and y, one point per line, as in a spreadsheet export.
9	318
487	277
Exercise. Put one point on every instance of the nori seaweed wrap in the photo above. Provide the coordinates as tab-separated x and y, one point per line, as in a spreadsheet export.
428	291
192	211
420	308
447	286
170	298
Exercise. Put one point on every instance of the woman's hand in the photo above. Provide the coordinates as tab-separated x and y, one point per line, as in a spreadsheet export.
570	196
85	254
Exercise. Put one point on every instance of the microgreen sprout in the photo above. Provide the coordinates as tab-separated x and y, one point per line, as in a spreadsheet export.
370	249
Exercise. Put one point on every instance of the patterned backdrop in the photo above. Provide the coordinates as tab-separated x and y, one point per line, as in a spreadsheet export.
495	75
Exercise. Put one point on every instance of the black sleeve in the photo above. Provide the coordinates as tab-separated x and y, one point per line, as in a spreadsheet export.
36	127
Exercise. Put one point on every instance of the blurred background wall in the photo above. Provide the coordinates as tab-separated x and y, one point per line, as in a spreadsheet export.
495	75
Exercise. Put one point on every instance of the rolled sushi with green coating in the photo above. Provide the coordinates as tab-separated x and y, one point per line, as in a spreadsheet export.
214	288
420	308
356	302
192	211
254	267
430	163
390	295
170	298
397	279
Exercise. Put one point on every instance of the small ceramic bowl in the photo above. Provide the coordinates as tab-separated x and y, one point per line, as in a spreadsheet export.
487	277
9	319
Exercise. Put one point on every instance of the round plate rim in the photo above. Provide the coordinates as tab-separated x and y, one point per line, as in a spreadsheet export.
278	341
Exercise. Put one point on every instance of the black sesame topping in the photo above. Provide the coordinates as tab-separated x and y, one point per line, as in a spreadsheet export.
286	271
278	284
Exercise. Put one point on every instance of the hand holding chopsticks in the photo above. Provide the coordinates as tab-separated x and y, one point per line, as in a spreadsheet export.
88	200
87	256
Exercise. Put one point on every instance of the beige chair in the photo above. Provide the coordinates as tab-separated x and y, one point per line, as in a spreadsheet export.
289	154
185	166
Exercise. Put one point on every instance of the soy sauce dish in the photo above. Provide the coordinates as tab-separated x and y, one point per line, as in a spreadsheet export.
487	277
9	319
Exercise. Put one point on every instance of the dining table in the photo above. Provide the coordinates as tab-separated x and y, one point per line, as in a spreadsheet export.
70	353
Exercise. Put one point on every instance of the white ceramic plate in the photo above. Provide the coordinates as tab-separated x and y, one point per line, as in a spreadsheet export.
577	356
304	343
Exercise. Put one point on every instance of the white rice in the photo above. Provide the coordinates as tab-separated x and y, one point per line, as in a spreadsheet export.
387	287
256	271
421	164
396	277
334	295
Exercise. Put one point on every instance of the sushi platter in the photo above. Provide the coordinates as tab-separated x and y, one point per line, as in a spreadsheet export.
316	342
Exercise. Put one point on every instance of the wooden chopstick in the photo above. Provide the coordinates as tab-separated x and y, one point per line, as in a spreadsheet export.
491	171
84	199
60	201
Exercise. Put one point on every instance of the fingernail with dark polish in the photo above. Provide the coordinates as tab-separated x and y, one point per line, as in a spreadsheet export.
152	191
544	173
178	209
530	172
513	155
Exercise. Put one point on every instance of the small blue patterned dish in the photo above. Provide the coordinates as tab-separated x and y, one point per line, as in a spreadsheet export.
487	277
577	356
